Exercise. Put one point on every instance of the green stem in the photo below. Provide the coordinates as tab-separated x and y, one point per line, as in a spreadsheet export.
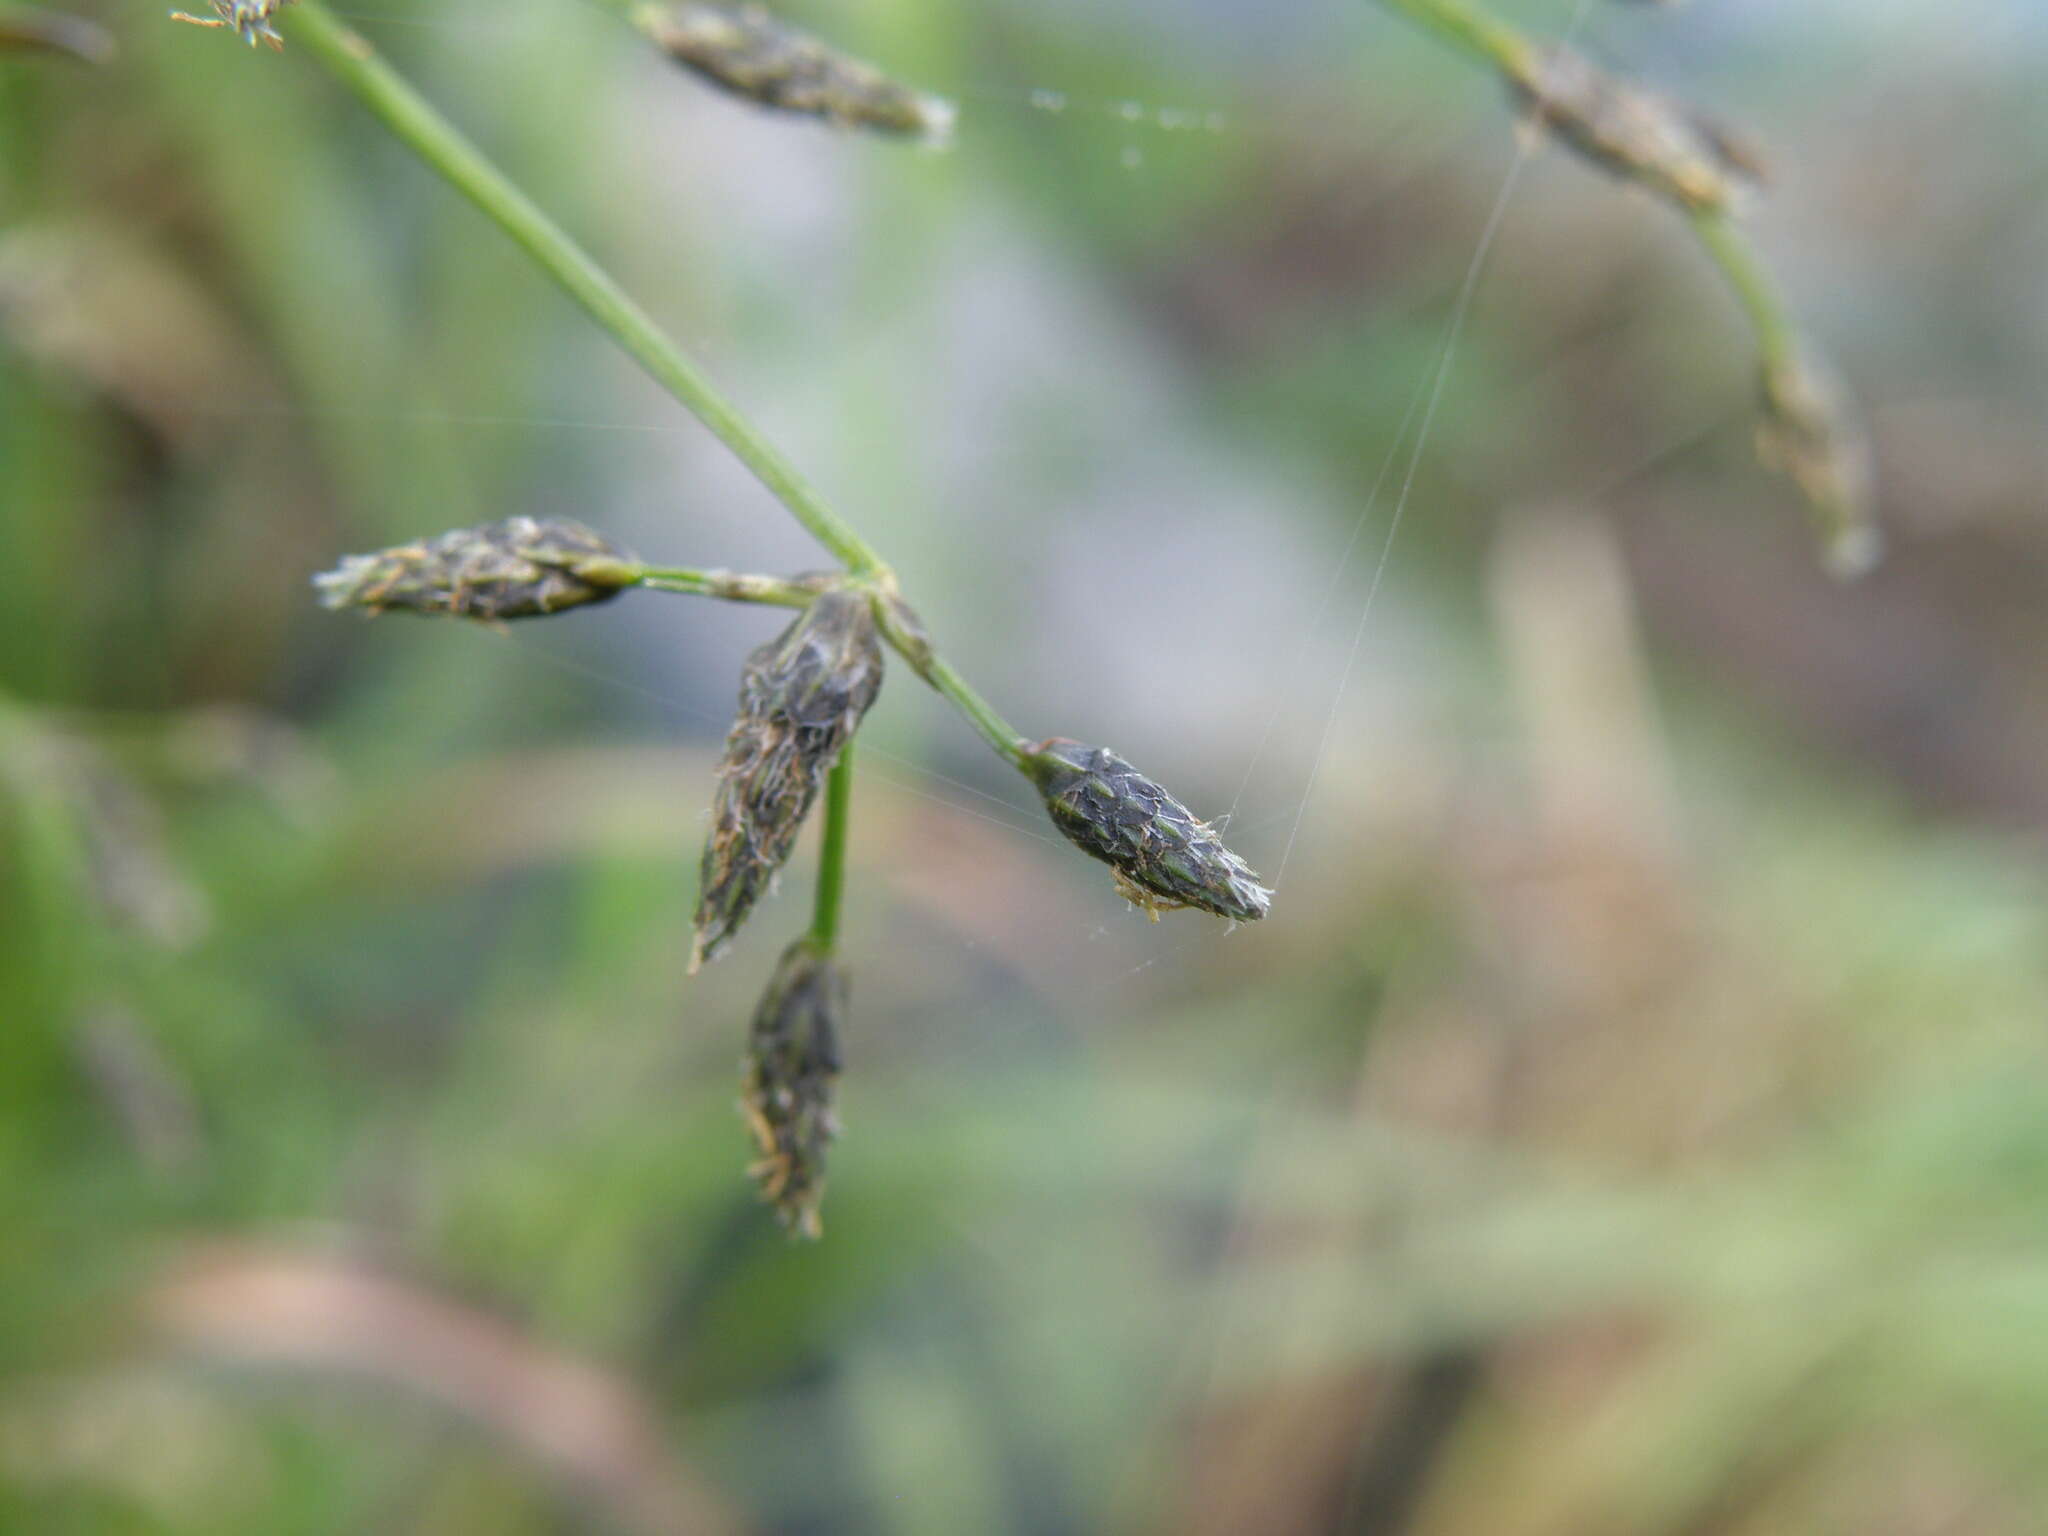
832	858
995	730
1469	30
906	633
351	59
1777	338
730	585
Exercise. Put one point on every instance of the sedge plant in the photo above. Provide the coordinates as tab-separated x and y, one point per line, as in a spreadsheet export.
804	694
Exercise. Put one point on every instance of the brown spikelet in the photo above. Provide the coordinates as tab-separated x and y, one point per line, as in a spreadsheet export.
1163	857
520	568
1631	133
1807	433
748	52
802	697
792	1064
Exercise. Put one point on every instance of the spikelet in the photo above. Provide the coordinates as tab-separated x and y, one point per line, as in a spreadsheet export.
1163	857
520	568
248	19
748	52
1806	432
1631	133
27	31
802	696
791	1066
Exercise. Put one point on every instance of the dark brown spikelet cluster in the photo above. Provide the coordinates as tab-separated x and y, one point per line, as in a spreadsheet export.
1807	433
802	696
792	1065
520	568
748	52
1632	133
1163	857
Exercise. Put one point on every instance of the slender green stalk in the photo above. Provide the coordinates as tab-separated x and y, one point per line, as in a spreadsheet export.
1472	31
832	857
995	730
1777	338
641	13
351	59
906	633
730	585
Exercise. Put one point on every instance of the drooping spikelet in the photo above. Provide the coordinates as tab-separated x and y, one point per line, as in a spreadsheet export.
248	19
27	31
1807	433
1630	132
1163	856
802	696
520	568
748	52
792	1063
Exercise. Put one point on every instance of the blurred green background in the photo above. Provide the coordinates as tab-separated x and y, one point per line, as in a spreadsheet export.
1634	1116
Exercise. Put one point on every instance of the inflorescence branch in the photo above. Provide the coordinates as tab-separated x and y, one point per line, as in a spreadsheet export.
1805	427
352	60
831	893
804	694
449	153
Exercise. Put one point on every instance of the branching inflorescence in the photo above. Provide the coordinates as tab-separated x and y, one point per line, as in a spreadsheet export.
1685	158
803	695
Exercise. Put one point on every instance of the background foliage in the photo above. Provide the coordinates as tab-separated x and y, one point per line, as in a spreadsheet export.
1633	1118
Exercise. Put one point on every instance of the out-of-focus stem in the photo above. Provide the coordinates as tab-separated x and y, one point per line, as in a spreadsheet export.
1494	42
43	31
1777	339
1498	44
1805	436
1470	30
